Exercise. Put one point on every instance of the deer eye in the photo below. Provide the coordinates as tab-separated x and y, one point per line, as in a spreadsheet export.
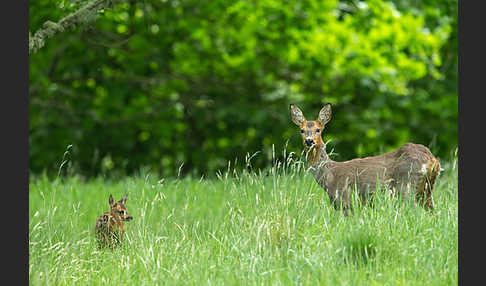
301	130
318	130
122	212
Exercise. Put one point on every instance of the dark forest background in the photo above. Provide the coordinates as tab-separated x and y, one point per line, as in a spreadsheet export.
157	83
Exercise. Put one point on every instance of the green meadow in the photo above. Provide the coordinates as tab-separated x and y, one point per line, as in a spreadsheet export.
273	227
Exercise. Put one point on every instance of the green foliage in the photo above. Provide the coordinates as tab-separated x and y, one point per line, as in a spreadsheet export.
161	83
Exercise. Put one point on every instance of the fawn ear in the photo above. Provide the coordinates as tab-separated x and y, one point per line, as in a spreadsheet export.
296	115
123	200
324	114
111	201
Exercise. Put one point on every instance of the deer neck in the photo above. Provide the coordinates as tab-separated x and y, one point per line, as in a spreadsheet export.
317	156
318	160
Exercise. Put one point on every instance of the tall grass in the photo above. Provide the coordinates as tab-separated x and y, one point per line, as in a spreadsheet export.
274	227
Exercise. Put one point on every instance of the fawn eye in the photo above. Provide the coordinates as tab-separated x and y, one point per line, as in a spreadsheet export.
122	212
301	130
318	130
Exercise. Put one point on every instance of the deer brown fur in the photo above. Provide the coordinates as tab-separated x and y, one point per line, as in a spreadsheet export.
110	226
409	169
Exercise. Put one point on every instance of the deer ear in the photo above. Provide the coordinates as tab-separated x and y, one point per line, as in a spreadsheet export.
324	114
123	200
111	201
296	115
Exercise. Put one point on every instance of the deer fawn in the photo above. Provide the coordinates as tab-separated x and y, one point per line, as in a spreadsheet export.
410	167
110	226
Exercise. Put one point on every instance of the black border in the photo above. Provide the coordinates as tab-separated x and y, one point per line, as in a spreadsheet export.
15	141
470	155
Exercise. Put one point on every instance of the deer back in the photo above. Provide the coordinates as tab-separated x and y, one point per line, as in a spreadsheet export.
404	166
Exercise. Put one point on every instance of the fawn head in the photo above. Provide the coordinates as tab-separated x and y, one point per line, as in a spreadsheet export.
119	210
311	131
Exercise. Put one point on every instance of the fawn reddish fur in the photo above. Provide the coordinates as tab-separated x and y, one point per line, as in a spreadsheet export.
110	226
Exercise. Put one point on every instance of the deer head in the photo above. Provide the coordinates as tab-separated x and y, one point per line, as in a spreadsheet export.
118	209
311	131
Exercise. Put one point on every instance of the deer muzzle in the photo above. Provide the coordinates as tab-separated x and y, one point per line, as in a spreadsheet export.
309	142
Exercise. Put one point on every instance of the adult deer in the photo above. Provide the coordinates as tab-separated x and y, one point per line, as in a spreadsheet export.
409	169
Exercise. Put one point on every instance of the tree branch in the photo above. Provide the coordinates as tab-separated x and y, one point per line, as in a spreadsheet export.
84	15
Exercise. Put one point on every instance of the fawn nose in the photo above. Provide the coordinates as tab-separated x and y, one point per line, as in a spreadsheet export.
309	142
129	218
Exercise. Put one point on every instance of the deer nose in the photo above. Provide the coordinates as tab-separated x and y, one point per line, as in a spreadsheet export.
309	142
129	218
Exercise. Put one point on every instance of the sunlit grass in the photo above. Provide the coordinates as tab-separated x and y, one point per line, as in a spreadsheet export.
274	228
